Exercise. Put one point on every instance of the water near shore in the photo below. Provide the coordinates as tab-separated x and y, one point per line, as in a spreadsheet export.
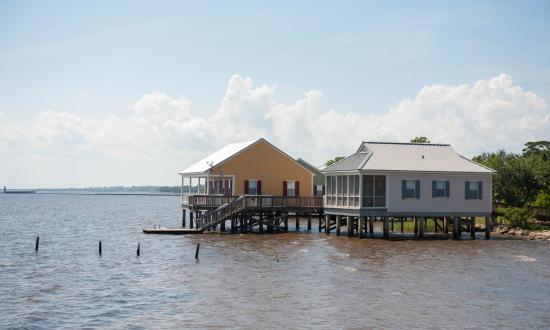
293	280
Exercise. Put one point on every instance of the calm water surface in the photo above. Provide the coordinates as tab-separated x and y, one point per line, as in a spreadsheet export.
293	280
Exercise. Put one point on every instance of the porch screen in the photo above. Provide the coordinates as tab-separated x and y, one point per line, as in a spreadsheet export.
374	191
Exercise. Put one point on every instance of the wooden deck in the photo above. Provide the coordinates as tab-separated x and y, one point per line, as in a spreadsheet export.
172	231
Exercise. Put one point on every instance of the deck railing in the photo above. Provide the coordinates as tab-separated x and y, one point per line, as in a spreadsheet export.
250	201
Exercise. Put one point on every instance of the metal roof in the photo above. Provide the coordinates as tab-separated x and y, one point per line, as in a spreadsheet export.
351	163
413	157
217	157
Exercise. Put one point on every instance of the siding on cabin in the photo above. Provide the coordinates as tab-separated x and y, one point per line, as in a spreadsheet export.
456	202
260	159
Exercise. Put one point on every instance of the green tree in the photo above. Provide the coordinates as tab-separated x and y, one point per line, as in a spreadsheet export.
332	161
538	148
420	139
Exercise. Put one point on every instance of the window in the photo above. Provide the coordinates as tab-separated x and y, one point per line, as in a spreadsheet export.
291	188
318	190
374	190
473	190
252	187
410	189
440	188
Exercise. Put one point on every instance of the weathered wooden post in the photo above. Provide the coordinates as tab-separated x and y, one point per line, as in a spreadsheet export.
488	224
222	226
349	221
473	227
138	250
100	248
459	227
338	224
297	222
191	219
371	226
386	227
415	220
197	251
37	239
361	227
182	218
446	226
327	224
456	225
421	223
320	222
286	222
309	223
402	228
392	224
261	223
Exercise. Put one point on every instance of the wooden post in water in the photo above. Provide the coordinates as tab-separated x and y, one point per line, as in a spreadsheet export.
320	222
309	223
459	227
421	223
371	226
37	242
100	248
327	224
446	226
191	219
456	234
402	228
297	222
435	224
391	223
349	221
222	226
415	220
138	250
361	227
286	222
338	224
182	218
386	227
473	227
261	223
197	251
488	224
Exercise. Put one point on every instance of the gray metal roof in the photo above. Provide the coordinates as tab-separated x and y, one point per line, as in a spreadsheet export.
413	157
351	163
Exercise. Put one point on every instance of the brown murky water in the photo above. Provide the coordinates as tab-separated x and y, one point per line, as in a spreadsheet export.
292	280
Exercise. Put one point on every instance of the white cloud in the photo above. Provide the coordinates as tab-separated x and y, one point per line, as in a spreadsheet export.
164	134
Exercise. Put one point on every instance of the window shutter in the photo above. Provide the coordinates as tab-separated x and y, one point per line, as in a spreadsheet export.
297	188
417	189
480	192
284	188
434	187
403	187
245	187
447	188
466	188
259	187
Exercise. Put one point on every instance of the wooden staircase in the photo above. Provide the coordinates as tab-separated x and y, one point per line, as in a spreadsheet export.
222	213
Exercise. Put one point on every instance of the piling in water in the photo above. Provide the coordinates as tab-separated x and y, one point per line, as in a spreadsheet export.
37	242
99	247
138	249
197	251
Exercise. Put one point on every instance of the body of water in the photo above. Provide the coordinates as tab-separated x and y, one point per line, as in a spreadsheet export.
291	280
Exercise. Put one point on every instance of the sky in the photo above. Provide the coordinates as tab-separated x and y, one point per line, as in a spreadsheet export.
129	93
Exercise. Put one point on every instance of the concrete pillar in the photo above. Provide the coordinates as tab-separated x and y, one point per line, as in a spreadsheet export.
309	223
183	218
338	224
421	223
350	226
488	225
191	219
327	224
473	227
386	227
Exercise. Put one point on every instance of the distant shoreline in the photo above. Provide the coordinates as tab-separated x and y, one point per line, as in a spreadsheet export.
96	193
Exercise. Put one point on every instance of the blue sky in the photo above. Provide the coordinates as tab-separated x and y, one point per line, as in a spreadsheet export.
95	59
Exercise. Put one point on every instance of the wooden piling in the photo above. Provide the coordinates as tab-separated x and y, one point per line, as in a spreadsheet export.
297	222
191	219
327	224
309	223
349	221
183	218
446	226
456	226
421	223
100	248
338	224
386	227
197	251
415	220
488	224
392	224
473	227
371	226
138	250
402	228
222	226
361	227
37	243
